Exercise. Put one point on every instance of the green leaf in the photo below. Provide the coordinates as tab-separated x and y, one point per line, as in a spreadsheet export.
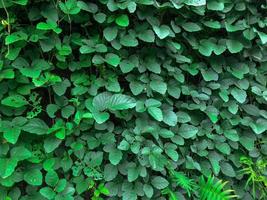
36	126
183	117
158	86
209	75
231	135
51	143
126	66
7	166
15	101
20	153
61	185
165	133
115	156
162	31
169	117
88	6
227	169
239	95
215	5
159	182
259	126
234	46
110	33
12	134
128	41
48	193
15	37
148	190
224	148
60	88
156	113
187	131
51	178
191	27
132	174
100	102
69	7
146	36
206	47
121	102
112	59
33	177
122	20
195	2
20	2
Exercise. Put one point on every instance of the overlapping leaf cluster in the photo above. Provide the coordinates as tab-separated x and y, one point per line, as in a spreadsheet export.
99	98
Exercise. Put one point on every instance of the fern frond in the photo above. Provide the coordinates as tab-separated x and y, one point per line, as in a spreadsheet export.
214	190
184	182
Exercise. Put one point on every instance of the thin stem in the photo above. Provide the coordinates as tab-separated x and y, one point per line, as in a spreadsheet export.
8	24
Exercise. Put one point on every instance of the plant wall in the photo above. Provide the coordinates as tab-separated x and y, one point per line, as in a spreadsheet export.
133	99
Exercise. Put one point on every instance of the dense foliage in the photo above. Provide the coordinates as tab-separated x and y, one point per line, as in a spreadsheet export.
133	99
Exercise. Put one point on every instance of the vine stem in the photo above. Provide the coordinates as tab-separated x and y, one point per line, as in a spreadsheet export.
8	24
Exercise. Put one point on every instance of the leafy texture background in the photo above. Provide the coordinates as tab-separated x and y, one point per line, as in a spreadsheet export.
110	99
